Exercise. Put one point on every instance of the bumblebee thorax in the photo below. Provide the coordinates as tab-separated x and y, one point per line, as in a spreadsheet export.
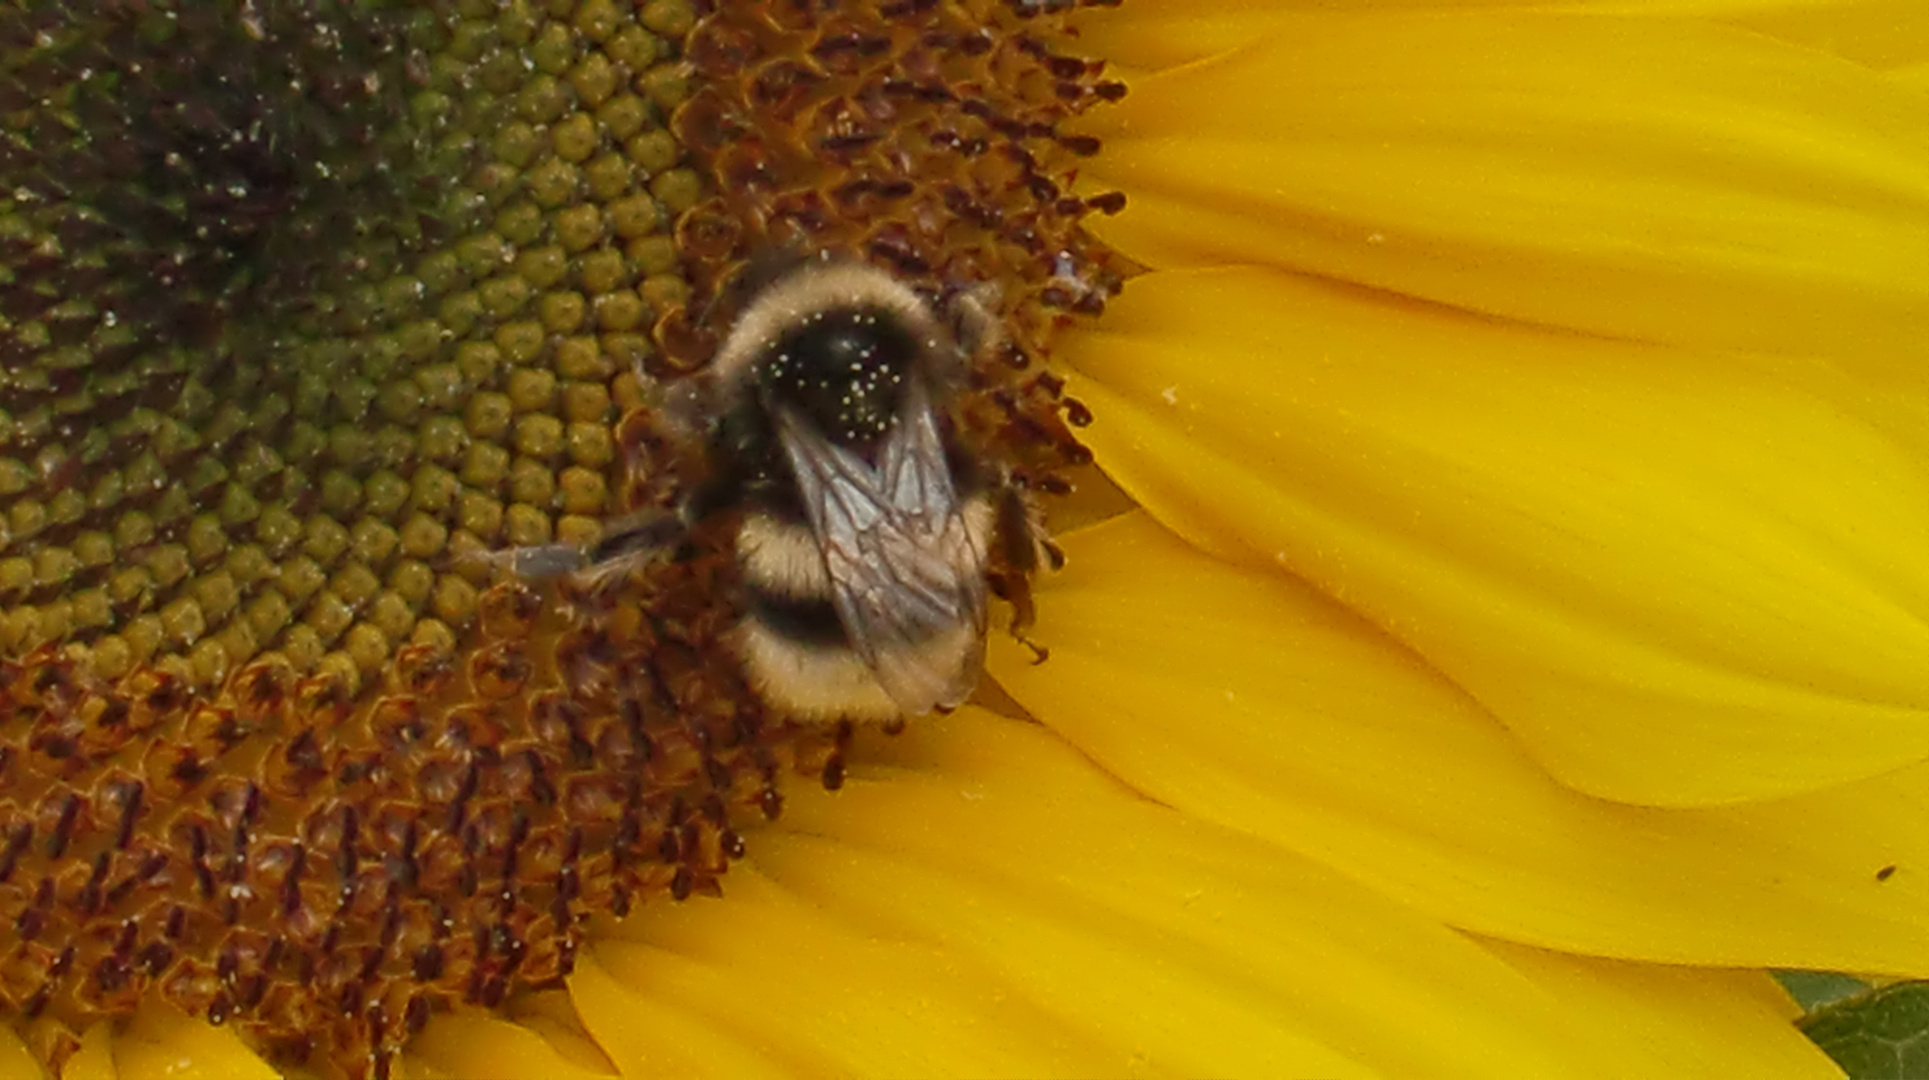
844	370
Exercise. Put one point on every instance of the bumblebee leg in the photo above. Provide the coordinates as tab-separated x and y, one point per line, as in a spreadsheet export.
1019	528
1039	653
646	532
1054	556
1022	550
537	562
974	320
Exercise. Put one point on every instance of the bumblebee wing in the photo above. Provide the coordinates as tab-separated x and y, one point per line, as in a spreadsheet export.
917	480
907	577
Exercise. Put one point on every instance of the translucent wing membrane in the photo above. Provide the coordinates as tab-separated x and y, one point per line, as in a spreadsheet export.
907	577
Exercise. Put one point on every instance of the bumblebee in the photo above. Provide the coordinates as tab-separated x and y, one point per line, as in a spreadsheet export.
867	527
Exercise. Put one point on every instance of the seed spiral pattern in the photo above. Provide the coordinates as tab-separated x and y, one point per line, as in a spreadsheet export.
306	309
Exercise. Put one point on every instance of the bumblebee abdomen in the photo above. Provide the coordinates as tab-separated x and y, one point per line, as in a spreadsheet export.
811	624
795	646
780	555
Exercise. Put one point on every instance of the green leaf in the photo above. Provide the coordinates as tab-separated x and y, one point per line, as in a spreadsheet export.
1813	990
1879	1035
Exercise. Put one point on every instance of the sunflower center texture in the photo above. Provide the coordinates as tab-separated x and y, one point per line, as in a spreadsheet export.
307	308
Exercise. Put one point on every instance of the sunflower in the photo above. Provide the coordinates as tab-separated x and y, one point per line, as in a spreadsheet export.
1506	655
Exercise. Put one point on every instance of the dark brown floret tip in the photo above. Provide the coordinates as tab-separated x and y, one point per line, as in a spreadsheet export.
326	869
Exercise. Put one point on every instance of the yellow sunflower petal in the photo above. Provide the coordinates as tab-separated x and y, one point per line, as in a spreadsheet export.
981	901
161	1041
1679	578
469	1044
1715	1023
1664	179
1250	700
16	1061
95	1058
822	998
1149	38
1880	33
552	1015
